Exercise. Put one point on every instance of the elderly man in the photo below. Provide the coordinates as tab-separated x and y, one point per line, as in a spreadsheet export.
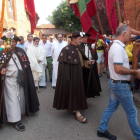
36	54
21	43
29	42
47	46
56	49
119	85
70	91
19	89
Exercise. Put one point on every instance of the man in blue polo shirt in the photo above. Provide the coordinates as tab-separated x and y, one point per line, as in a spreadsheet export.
119	85
21	43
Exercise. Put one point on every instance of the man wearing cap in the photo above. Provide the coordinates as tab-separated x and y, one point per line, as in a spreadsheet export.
19	96
70	91
37	57
56	49
93	86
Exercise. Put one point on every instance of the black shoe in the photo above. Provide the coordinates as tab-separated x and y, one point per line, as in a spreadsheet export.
53	87
19	126
106	134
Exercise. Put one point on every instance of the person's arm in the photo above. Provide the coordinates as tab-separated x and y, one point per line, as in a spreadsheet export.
129	53
135	32
104	44
120	69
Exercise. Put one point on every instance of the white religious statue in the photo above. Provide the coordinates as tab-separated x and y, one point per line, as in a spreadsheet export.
56	49
38	63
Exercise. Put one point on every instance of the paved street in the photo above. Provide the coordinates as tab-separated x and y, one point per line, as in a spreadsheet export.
50	124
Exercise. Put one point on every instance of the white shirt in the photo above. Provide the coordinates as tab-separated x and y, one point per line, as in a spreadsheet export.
27	44
88	52
118	56
12	69
47	46
56	49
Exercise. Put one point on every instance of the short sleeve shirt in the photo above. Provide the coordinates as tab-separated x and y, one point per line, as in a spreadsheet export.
99	44
118	56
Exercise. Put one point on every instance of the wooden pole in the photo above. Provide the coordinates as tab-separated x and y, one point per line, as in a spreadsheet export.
119	11
98	17
2	18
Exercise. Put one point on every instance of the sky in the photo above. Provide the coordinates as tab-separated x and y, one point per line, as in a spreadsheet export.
45	8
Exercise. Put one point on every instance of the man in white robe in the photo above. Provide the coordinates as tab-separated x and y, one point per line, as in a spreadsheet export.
37	58
17	97
56	49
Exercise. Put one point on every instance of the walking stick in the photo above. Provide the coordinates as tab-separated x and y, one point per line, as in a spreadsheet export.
3	84
91	66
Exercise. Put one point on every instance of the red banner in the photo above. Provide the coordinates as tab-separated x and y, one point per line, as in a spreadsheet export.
85	18
30	8
112	16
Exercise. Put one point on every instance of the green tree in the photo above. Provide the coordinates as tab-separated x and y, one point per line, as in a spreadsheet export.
64	17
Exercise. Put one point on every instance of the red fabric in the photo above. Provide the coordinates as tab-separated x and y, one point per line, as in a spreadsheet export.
91	8
112	16
30	8
85	19
75	9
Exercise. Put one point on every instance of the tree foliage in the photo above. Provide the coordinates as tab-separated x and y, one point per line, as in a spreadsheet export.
64	17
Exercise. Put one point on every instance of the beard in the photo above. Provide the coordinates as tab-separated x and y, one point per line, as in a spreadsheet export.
36	45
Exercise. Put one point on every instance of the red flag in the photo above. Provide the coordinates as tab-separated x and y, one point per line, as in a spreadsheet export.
91	8
30	8
85	11
112	16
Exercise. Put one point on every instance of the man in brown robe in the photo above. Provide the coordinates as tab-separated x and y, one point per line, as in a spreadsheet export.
70	91
92	87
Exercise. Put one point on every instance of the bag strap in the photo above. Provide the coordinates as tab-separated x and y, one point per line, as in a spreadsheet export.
15	63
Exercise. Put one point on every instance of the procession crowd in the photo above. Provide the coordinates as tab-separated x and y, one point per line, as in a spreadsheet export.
74	67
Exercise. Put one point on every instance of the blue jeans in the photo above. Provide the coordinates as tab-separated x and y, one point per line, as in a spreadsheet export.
120	94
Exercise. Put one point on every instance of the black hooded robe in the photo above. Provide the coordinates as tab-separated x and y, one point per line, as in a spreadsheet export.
31	98
94	86
70	91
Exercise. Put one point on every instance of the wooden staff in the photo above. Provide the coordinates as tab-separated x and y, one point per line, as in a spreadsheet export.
2	18
119	11
136	50
91	66
98	17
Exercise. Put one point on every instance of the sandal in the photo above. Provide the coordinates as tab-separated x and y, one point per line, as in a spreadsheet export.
19	126
81	119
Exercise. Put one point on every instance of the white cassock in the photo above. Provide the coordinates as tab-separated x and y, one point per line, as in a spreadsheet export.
38	69
56	49
13	92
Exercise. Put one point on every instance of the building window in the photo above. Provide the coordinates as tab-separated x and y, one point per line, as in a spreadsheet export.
10	8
